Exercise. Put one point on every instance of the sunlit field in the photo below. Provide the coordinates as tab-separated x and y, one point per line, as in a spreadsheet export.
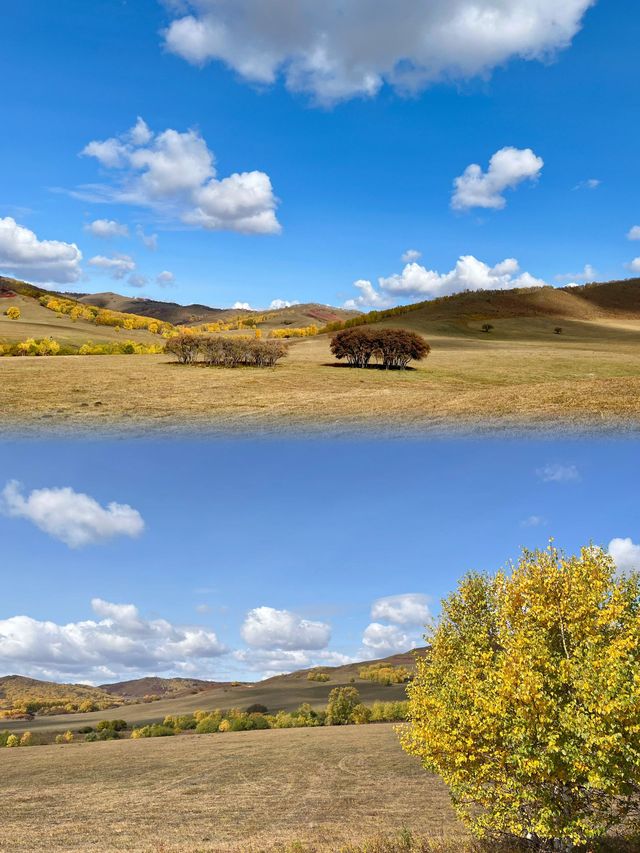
520	375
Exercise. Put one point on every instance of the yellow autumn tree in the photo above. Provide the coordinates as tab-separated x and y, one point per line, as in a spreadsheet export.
528	703
13	312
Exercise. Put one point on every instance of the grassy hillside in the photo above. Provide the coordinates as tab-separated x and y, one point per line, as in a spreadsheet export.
37	321
17	691
181	696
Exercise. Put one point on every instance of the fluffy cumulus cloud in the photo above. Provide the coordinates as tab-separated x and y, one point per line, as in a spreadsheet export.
277	304
270	662
634	265
106	228
380	640
417	282
625	554
634	233
174	174
558	473
137	280
268	628
412	608
118	642
118	266
44	261
507	168
335	54
589	273
72	517
165	278
410	256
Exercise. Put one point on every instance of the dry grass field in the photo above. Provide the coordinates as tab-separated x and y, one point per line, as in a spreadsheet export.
519	376
263	790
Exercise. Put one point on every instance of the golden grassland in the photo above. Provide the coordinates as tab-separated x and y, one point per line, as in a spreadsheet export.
520	375
313	790
265	790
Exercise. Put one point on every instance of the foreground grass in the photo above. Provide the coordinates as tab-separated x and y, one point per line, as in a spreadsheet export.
588	378
324	788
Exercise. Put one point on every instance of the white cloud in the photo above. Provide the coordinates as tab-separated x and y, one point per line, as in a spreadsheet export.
417	282
338	53
410	256
137	280
72	517
634	233
278	661
369	297
118	266
412	608
533	521
625	554
557	473
242	306
268	628
165	278
634	265
277	304
382	640
149	240
589	273
118	642
174	174
106	228
22	253
589	184
508	167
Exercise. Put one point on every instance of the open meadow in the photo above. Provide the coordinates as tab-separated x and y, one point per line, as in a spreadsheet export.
519	376
261	790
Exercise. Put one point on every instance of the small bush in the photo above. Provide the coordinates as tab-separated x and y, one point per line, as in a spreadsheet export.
13	313
154	730
26	739
487	327
257	708
112	725
13	741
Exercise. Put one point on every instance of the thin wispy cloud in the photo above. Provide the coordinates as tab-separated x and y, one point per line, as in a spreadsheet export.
558	473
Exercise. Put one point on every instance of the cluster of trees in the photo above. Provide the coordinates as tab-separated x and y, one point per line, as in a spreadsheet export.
304	332
385	674
105	317
12	740
318	675
48	346
528	704
392	348
217	351
30	707
13	312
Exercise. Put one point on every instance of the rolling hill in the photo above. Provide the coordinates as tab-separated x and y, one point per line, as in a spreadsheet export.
180	696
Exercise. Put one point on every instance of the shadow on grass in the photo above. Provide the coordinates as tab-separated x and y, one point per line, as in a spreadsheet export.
371	367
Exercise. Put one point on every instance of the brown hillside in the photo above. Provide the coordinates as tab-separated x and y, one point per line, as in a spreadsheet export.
165	687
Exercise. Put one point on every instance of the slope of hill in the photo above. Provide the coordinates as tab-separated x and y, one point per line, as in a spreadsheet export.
17	691
608	300
140	688
176	314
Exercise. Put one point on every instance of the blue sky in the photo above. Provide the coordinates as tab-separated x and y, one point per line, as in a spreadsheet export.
342	183
247	558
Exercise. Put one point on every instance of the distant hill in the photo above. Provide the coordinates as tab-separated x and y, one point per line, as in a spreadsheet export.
607	300
162	687
18	689
173	312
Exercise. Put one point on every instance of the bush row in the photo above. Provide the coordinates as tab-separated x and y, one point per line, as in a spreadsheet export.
216	351
47	346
